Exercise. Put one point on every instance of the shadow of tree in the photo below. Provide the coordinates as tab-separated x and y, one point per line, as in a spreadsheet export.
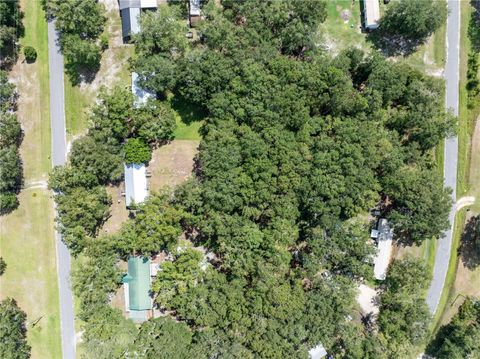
188	112
78	74
469	250
393	44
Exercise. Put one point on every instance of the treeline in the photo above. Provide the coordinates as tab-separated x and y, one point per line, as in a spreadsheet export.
119	132
461	337
297	146
473	83
11	176
80	24
13	331
11	28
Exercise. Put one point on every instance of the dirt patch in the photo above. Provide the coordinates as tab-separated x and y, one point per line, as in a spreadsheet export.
172	164
368	300
118	211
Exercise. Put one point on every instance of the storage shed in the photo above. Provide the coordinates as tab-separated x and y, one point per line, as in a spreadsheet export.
135	184
130	14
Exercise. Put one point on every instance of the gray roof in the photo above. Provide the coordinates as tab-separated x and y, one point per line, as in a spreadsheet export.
385	232
130	21
125	4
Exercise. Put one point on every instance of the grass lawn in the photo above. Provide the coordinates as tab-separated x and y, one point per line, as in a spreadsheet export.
27	240
189	119
113	71
27	244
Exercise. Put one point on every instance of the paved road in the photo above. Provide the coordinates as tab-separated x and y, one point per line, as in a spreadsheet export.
444	246
59	154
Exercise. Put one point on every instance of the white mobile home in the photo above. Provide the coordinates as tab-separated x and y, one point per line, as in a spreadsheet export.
135	184
371	14
384	239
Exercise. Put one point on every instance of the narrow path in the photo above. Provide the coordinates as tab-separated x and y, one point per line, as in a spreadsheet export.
57	116
452	68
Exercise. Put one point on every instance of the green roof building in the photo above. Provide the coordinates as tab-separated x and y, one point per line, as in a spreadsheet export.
137	282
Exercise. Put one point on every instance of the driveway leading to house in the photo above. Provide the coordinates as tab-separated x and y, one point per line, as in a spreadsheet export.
59	154
452	68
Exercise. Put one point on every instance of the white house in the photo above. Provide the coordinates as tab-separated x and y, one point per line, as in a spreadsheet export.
141	95
371	14
135	183
384	238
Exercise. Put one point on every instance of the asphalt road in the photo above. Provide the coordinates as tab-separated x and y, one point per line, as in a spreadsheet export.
444	246
59	155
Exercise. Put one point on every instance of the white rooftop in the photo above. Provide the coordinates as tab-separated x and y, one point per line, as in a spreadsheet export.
141	95
384	249
135	183
148	4
194	7
318	352
371	13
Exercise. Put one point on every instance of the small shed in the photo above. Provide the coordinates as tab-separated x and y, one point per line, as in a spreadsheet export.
135	183
384	242
137	288
141	96
317	352
130	14
371	14
194	12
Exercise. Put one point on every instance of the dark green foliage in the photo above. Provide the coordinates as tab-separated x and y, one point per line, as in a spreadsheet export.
30	54
8	202
155	122
13	331
404	315
10	169
474	26
11	29
3	266
7	91
80	23
461	337
156	227
65	179
10	129
137	151
420	204
408	24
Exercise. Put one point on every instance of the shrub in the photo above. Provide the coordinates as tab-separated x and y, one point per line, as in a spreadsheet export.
137	151
30	54
8	202
3	266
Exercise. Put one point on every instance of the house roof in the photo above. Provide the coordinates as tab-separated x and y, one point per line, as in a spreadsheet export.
371	13
130	21
194	7
141	95
138	279
135	183
384	249
317	352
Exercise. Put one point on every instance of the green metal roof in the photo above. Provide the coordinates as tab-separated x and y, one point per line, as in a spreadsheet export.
138	279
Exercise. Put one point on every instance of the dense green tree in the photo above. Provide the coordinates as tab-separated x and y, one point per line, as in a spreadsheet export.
64	179
163	39
30	54
461	337
408	23
10	129
404	315
13	331
7	91
163	338
80	23
137	151
108	334
87	208
155	122
103	160
10	169
8	202
420	203
156	227
11	29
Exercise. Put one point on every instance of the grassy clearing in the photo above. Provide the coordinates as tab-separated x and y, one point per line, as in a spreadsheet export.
189	119
113	71
27	244
27	240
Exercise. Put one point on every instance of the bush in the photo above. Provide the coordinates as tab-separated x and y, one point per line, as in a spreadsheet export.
104	42
8	202
3	266
30	54
137	151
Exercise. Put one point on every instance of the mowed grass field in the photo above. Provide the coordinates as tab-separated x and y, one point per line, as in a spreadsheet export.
26	235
